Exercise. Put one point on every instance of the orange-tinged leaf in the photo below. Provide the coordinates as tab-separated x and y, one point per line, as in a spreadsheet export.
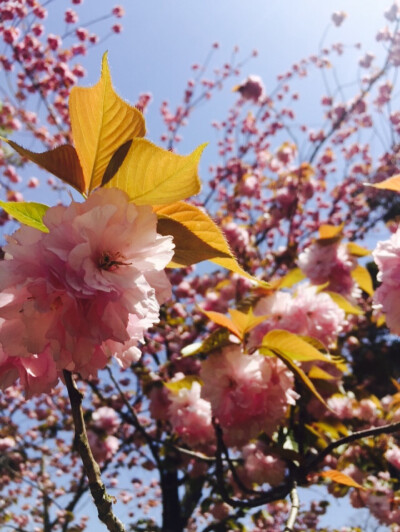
101	122
224	321
363	278
151	175
62	162
292	346
341	478
245	321
330	231
356	250
200	224
393	183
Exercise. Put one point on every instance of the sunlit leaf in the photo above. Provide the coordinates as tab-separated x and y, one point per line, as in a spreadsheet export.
198	223
28	213
101	122
291	278
344	304
356	250
186	382
62	162
363	278
393	183
330	231
340	478
245	322
293	346
151	175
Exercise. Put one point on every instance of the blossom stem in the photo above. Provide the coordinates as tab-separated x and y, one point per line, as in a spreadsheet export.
102	500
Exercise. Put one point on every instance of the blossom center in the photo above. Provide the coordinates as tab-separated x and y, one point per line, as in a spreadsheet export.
110	261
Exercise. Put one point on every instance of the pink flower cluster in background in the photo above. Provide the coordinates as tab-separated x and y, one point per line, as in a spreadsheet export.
308	312
248	393
82	292
387	296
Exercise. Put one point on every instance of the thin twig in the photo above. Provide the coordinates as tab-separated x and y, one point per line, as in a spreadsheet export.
294	510
102	500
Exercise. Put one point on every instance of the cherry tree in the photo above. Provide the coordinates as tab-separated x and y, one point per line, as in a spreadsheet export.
189	398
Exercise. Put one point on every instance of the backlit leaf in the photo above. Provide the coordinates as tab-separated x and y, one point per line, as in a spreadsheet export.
245	322
318	373
62	162
216	340
28	213
327	231
223	321
393	183
101	122
340	478
199	224
363	278
151	175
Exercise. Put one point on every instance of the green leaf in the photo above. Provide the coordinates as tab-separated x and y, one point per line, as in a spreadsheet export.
28	213
293	346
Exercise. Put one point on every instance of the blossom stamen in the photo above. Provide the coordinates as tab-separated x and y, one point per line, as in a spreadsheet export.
109	261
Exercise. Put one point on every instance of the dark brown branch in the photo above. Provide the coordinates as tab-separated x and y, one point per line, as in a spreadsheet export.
375	431
102	500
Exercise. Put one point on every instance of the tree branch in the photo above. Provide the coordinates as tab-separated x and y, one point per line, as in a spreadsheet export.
101	498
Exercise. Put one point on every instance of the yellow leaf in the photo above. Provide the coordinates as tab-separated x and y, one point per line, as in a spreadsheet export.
393	183
318	373
62	162
356	250
295	369
363	278
186	382
189	248
224	321
101	122
245	321
291	278
292	346
344	304
198	223
330	231
340	478
153	176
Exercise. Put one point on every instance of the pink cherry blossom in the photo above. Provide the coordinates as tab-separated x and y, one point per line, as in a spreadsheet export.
260	466
190	415
338	17
252	88
309	313
248	393
88	288
392	455
105	419
102	448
